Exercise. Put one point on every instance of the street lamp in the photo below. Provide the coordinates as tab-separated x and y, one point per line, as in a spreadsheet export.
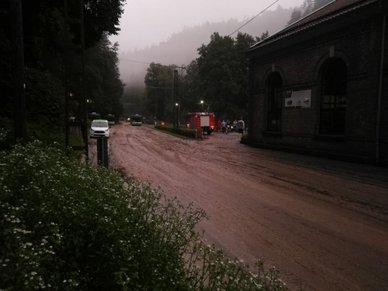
201	104
174	71
177	114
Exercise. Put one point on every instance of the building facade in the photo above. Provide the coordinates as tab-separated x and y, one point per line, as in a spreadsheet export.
320	85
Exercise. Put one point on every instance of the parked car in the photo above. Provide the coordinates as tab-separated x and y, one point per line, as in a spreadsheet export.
111	119
99	128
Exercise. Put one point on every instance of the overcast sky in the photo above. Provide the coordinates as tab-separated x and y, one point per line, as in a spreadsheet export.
148	22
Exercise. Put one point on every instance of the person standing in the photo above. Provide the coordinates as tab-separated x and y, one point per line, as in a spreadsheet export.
240	126
223	126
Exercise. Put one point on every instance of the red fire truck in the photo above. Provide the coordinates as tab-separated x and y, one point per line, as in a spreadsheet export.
204	120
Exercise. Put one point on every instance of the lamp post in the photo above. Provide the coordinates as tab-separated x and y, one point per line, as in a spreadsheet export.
177	114
175	104
201	102
173	91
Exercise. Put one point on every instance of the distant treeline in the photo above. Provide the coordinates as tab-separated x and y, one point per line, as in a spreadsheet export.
307	7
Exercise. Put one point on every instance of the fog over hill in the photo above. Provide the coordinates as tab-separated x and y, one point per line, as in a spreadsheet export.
181	48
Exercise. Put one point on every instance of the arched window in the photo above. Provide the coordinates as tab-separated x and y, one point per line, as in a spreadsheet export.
333	97
274	95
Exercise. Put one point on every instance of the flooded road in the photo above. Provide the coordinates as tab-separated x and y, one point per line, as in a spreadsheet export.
322	223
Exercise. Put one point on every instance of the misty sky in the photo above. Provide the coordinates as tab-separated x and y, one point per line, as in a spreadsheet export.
147	22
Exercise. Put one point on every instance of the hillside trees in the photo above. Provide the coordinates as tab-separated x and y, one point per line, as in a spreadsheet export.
307	7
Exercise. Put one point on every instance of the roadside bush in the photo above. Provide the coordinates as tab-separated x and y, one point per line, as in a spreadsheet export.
67	226
6	133
188	132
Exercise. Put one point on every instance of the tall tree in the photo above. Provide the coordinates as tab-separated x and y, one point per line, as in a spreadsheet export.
103	85
44	48
190	95
216	68
222	73
159	90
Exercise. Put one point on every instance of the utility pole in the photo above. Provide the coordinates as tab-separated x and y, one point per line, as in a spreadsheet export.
20	118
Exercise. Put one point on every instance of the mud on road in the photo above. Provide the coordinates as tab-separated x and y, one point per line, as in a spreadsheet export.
322	223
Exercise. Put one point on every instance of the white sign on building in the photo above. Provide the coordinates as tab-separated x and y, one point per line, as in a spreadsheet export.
301	98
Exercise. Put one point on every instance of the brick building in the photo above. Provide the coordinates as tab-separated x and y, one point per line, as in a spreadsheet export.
320	85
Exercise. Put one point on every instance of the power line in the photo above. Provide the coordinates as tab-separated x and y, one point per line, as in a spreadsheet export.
261	12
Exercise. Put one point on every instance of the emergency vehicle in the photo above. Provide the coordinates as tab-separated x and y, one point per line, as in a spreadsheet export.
204	120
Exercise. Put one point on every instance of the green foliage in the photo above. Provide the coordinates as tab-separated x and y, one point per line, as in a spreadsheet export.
159	90
44	97
6	133
44	20
188	132
103	85
191	95
222	75
46	55
209	269
219	76
69	227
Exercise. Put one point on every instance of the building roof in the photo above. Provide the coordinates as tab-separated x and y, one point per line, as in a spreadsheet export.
332	10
